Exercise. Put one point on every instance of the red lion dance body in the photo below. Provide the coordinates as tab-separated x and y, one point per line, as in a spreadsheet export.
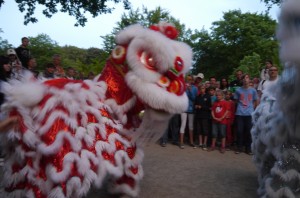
73	134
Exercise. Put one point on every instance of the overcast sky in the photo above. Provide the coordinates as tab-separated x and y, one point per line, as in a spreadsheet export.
195	14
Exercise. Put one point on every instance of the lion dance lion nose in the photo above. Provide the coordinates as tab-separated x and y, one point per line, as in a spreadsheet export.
173	80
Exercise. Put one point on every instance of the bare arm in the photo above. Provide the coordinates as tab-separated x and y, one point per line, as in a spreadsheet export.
8	123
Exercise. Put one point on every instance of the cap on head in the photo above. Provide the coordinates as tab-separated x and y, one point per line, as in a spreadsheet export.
11	51
199	75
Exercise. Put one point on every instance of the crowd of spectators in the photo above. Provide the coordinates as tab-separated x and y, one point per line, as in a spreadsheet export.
219	112
21	59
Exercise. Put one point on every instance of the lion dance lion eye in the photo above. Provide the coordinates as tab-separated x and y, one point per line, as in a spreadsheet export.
147	60
178	64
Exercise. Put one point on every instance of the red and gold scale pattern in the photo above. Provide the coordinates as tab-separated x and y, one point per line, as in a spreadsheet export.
56	159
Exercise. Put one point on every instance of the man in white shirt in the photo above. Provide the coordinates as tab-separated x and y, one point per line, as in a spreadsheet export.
273	78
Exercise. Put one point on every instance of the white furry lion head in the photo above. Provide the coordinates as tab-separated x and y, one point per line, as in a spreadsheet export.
157	65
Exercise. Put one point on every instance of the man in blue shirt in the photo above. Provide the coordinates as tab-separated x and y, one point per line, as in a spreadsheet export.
246	98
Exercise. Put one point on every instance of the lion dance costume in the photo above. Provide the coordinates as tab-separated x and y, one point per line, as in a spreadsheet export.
74	134
276	130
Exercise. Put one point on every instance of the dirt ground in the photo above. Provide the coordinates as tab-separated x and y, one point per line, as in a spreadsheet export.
171	172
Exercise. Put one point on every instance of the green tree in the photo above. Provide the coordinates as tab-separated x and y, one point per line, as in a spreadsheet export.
84	60
42	48
231	39
146	18
4	45
73	8
270	3
251	65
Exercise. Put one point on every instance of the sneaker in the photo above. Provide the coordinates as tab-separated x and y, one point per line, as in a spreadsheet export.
237	152
193	145
181	146
204	148
222	150
163	144
248	151
211	149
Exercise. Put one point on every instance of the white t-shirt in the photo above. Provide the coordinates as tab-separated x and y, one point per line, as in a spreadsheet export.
263	85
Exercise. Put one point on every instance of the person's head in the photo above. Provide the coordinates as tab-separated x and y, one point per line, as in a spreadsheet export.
246	80
12	55
71	72
189	79
56	59
207	84
219	95
50	68
212	80
91	75
268	64
224	83
31	63
202	89
211	90
228	95
5	68
198	78
255	80
273	72
25	41
239	74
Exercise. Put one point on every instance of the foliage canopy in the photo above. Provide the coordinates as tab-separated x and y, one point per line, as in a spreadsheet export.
231	39
78	9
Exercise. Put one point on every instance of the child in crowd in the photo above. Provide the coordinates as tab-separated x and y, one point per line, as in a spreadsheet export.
212	93
219	114
230	119
202	116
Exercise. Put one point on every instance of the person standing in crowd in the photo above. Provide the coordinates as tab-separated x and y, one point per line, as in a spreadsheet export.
59	70
71	72
273	78
23	53
224	84
91	76
235	84
246	99
5	68
188	116
15	63
48	72
212	93
264	74
198	80
5	122
213	82
255	81
32	67
230	120
219	112
202	116
173	129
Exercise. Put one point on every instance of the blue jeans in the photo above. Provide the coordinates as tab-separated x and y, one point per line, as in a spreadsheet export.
244	125
218	128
